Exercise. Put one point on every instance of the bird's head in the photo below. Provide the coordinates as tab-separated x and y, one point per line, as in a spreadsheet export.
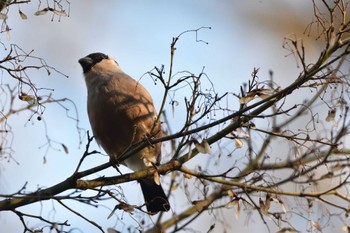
97	61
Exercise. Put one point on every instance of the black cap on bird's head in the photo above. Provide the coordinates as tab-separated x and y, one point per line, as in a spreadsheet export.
90	60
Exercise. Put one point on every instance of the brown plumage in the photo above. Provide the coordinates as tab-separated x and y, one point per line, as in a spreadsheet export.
121	113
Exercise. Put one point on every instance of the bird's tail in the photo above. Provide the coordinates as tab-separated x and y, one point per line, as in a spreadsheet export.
154	195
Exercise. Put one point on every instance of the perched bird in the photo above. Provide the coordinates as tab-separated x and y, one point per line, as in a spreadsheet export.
121	113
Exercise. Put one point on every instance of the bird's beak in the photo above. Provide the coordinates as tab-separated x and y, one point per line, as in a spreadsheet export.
86	63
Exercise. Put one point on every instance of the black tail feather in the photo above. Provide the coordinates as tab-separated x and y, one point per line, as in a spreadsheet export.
154	195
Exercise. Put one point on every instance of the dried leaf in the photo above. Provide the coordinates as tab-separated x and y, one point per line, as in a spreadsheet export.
327	176
268	201
238	210
238	143
3	16
283	207
287	229
331	115
234	203
317	226
279	201
230	204
198	146
65	148
242	133
202	147
174	187
41	12
111	230
337	167
23	16
174	104
8	36
187	176
263	96
60	13
173	111
335	124
247	205
126	207
156	178
28	98
231	193
263	208
263	93
189	150
246	99
206	146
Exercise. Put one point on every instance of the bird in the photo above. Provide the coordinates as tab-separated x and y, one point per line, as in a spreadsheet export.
122	114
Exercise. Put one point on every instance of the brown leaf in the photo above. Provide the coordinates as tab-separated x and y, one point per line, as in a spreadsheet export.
65	148
206	146
202	147
247	205
331	115
242	133
238	210
287	229
246	99
126	207
60	13
3	16
238	143
279	201
263	93
317	226
327	176
23	16
263	208
111	230
230	204
187	176
41	12
268	201
174	187
25	97
337	167
8	36
231	193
